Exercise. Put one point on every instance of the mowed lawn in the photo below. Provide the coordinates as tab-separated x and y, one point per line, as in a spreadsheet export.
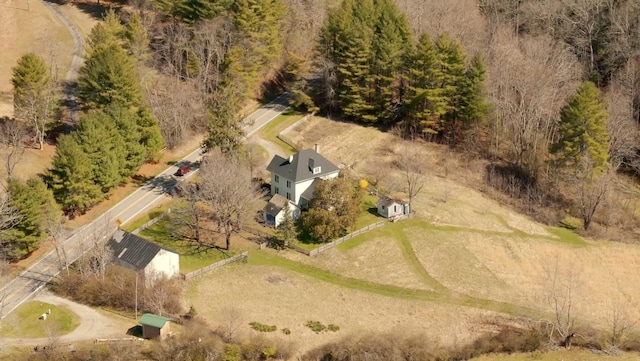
25	321
191	256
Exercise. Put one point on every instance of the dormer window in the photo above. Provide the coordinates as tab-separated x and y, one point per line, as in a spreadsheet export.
316	170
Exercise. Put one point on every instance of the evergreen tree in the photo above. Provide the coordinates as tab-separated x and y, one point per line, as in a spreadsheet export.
71	177
368	42
583	146
425	102
258	23
582	131
223	123
472	106
33	94
107	32
109	76
137	39
150	134
391	46
34	202
101	142
133	151
450	63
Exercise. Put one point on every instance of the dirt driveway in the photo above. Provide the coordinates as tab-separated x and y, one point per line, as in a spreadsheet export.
93	324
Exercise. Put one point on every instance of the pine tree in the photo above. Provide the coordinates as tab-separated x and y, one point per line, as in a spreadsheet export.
34	202
101	142
150	134
583	147
425	102
391	45
472	106
223	123
137	39
109	76
71	177
133	153
34	94
258	23
582	130
450	62
286	234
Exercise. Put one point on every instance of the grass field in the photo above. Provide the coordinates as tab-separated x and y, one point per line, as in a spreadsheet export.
191	257
562	355
24	322
464	265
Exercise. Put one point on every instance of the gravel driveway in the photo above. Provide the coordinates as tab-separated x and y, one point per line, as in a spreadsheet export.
92	325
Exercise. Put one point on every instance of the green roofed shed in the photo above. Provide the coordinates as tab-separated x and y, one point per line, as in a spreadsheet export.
154	326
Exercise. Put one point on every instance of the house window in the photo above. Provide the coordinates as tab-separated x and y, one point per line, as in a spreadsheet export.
288	184
277	190
395	208
277	179
288	196
316	170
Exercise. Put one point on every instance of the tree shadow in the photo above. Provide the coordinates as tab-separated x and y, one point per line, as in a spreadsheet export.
373	210
139	179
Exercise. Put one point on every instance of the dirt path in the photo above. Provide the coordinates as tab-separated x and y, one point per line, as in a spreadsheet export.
92	324
70	80
270	147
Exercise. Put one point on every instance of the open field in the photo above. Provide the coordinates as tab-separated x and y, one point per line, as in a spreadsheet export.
28	26
464	264
562	355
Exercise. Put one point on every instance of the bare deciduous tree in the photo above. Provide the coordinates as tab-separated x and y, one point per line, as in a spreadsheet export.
13	135
562	284
527	103
226	186
623	132
622	323
413	171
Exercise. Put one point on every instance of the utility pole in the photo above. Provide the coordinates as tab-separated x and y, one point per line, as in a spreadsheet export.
137	272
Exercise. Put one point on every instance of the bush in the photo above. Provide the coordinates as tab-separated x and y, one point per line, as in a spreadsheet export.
286	331
333	328
316	326
262	327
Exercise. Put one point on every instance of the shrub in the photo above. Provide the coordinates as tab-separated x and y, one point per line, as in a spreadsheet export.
333	328
286	331
262	327
316	326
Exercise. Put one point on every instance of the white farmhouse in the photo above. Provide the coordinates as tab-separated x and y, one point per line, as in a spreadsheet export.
147	258
295	178
275	210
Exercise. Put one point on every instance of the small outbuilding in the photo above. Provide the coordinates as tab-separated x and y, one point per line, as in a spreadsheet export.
154	326
274	211
391	208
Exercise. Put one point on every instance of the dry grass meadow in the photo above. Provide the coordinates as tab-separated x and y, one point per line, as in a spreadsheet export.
462	265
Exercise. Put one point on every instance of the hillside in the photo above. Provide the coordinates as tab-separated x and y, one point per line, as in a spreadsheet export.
464	266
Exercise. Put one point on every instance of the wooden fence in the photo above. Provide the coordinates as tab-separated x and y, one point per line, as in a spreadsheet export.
198	272
151	222
338	241
288	140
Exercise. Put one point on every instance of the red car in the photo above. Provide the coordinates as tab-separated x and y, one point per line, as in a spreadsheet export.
182	171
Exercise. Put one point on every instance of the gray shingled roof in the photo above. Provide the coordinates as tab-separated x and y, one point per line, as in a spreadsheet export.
135	252
301	166
386	201
275	205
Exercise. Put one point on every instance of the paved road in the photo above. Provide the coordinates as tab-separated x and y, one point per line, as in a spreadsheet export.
41	272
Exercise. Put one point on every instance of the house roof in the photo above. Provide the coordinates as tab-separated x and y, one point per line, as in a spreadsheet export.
299	167
149	319
135	252
386	201
308	193
275	205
